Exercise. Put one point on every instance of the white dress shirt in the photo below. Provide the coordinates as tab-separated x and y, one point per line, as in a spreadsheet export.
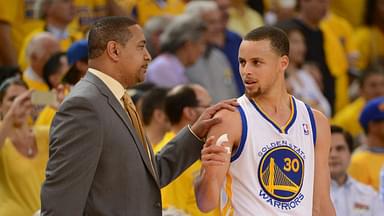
355	199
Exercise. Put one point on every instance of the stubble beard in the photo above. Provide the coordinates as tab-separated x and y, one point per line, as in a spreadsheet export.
254	94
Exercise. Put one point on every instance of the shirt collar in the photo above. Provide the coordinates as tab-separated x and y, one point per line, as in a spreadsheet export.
347	183
58	33
116	88
31	74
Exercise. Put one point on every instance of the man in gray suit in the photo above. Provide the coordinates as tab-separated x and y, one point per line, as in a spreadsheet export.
98	164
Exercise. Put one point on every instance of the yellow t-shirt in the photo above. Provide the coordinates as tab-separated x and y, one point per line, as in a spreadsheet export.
352	10
180	192
145	9
64	44
87	11
21	178
244	22
348	117
365	167
36	85
337	62
19	14
370	44
342	29
46	116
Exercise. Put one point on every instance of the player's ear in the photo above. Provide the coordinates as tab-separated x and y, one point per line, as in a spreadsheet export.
284	62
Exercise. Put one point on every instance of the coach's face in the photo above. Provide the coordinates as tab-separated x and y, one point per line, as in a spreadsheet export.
134	58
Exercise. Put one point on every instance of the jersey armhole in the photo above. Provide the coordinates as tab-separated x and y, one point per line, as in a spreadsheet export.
313	123
244	131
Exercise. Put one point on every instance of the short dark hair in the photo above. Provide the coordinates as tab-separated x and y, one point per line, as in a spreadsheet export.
347	136
52	66
8	72
7	83
151	100
177	99
114	28
278	39
370	71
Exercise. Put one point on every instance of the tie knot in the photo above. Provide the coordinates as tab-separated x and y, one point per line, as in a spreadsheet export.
128	101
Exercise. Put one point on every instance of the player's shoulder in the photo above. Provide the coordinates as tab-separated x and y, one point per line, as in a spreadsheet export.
228	115
320	118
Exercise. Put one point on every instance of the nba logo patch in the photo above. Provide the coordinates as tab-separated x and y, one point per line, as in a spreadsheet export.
306	129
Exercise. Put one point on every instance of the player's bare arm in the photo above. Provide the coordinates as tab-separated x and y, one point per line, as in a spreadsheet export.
322	204
216	159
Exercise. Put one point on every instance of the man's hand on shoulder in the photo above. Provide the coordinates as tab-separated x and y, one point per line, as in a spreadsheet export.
209	118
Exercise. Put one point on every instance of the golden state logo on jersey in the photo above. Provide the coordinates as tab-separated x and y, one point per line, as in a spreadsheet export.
281	172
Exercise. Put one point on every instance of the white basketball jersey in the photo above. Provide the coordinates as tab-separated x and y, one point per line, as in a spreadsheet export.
272	171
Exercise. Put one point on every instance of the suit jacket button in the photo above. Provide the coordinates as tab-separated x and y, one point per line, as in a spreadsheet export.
158	205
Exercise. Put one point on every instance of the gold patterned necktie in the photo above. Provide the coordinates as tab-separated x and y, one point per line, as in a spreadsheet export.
136	122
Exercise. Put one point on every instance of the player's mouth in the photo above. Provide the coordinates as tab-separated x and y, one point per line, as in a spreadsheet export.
249	83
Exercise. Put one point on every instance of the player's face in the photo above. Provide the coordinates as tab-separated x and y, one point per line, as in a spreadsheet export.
259	66
134	58
339	156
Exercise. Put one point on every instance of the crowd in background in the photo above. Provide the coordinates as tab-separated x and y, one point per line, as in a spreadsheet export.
336	66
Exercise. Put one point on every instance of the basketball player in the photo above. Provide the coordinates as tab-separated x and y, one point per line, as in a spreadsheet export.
279	146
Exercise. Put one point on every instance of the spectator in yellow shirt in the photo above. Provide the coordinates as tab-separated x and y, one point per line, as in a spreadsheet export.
367	163
370	38
371	85
183	105
41	47
155	120
23	152
57	15
16	22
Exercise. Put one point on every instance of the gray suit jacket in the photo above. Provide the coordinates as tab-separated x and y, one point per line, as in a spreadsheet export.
97	164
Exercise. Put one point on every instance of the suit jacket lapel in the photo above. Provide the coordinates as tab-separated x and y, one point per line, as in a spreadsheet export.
119	110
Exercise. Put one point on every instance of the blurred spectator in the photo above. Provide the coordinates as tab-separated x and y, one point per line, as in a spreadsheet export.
87	11
152	31
56	14
16	21
229	43
183	105
350	197
325	49
352	10
242	18
366	164
279	11
212	70
155	120
142	11
41	47
23	151
370	38
371	85
304	87
137	92
55	69
182	44
343	30
77	56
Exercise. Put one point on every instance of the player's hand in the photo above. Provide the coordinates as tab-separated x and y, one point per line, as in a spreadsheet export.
207	119
215	155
